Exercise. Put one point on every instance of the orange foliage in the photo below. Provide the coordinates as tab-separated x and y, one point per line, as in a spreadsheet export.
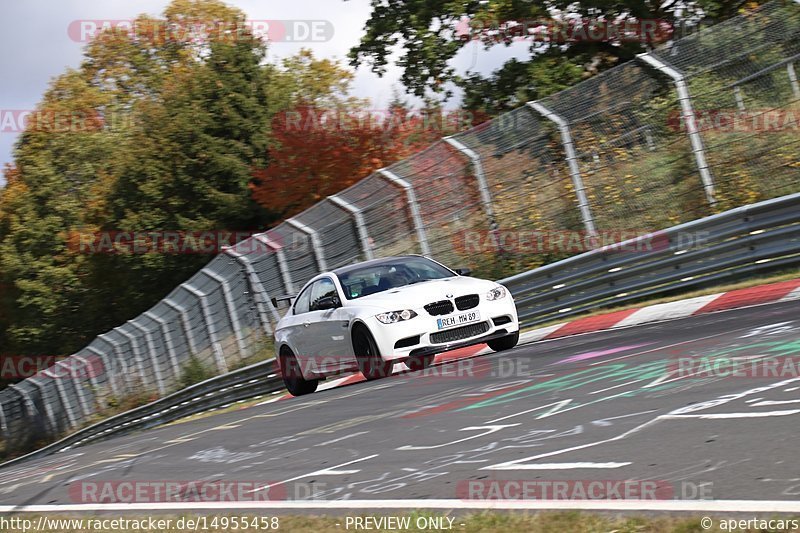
321	152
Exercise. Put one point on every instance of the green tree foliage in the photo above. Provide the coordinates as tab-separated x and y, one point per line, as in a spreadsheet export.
427	34
163	135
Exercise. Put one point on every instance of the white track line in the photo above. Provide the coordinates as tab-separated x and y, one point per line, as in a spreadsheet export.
719	506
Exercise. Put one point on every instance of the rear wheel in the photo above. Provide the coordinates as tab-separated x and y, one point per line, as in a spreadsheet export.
369	358
504	343
293	377
419	362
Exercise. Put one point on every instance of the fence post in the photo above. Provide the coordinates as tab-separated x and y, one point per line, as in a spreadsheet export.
187	326
219	357
92	378
48	410
411	198
572	163
358	218
483	185
112	381
232	315
737	96
687	111
315	243
793	79
260	294
62	396
151	347
30	405
76	381
128	378
136	348
4	427
286	276
173	357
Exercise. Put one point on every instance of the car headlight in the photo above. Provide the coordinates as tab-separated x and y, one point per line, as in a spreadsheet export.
496	293
395	316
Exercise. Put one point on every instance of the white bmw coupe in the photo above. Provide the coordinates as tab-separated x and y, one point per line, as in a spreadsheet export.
371	315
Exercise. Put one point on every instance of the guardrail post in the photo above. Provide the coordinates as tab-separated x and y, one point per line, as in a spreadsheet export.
260	294
483	184
151	348
187	326
411	198
793	79
358	218
173	357
572	162
115	346
219	357
231	307
315	242
689	118
62	396
286	276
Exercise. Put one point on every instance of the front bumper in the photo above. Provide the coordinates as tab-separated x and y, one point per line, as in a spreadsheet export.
425	325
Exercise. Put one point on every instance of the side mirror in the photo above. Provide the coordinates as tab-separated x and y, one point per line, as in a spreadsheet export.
462	271
328	302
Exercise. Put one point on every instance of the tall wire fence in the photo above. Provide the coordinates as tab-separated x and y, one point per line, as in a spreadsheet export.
704	124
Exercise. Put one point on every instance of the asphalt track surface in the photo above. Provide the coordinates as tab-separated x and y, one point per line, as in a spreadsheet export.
604	406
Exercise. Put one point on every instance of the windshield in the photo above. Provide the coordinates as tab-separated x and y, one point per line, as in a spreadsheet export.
378	278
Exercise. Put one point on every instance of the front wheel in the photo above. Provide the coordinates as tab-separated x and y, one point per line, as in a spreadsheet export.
504	343
370	362
293	377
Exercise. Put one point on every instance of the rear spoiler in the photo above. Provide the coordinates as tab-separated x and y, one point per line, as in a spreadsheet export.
284	298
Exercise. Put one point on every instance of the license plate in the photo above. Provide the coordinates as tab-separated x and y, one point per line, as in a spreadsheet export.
458	320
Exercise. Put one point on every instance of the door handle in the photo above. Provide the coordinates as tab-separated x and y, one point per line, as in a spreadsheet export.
306	324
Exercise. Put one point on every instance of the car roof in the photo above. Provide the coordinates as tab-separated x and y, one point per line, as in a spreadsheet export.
373	262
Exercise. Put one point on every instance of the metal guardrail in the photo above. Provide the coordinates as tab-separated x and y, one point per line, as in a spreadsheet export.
221	391
738	241
742	240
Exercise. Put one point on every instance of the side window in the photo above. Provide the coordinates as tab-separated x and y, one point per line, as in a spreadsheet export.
301	304
321	288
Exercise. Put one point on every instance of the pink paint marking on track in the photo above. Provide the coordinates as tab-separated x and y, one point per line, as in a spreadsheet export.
600	353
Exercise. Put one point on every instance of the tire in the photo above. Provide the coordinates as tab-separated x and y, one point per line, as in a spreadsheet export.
293	377
419	362
504	343
370	362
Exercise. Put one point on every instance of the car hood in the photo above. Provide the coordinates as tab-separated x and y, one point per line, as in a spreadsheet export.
420	294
